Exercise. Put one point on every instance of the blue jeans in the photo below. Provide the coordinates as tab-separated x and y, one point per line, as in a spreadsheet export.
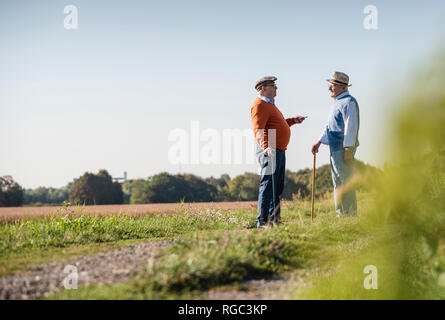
345	202
271	185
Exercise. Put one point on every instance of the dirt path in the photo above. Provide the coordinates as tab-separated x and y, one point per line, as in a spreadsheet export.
103	268
274	287
122	264
17	213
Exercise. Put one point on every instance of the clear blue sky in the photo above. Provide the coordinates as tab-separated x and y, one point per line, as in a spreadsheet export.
108	94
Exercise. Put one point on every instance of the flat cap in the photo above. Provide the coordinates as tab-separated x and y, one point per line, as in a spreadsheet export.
264	80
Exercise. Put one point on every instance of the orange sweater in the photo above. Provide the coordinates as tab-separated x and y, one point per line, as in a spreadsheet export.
266	116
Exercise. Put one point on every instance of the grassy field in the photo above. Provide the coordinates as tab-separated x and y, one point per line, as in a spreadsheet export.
219	249
60	238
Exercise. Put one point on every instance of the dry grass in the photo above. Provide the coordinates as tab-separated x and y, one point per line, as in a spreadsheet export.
11	214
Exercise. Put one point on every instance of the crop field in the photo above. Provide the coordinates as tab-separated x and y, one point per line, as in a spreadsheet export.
18	213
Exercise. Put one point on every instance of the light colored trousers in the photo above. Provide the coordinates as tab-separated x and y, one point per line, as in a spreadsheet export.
346	203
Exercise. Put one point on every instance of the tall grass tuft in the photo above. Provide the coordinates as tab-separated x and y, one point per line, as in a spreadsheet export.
204	261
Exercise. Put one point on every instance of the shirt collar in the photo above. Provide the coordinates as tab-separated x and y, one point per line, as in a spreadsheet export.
266	99
342	95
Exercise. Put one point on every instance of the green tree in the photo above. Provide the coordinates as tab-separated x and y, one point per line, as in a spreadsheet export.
244	187
43	195
11	193
92	189
294	188
165	187
118	195
300	182
221	182
137	192
2	198
134	191
222	193
198	189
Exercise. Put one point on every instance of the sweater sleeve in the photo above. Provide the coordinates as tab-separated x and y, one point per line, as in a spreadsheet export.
259	116
290	122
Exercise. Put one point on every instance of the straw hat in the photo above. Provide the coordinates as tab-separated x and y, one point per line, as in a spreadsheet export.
339	78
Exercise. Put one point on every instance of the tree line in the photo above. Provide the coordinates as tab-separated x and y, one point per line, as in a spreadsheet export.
90	189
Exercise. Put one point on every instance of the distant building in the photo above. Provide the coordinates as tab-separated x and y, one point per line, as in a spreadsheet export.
121	179
118	179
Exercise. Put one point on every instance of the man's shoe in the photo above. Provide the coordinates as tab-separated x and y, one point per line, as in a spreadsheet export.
274	221
260	224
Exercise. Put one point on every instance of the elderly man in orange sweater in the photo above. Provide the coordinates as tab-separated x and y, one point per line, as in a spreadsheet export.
272	135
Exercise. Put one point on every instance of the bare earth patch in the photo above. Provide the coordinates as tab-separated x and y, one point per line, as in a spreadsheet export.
111	267
273	287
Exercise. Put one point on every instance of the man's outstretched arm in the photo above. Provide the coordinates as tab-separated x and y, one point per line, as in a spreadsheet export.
295	120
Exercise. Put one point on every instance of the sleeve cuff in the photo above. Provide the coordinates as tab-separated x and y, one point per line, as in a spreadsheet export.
323	139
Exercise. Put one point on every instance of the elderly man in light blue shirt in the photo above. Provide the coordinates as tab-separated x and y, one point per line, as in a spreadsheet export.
341	134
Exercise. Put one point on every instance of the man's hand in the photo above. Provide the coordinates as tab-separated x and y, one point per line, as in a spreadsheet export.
299	119
269	152
315	147
348	155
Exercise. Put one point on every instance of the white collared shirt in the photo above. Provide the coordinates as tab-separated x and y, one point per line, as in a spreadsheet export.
266	99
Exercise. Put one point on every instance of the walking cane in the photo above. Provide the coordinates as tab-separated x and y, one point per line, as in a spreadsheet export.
313	188
275	208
